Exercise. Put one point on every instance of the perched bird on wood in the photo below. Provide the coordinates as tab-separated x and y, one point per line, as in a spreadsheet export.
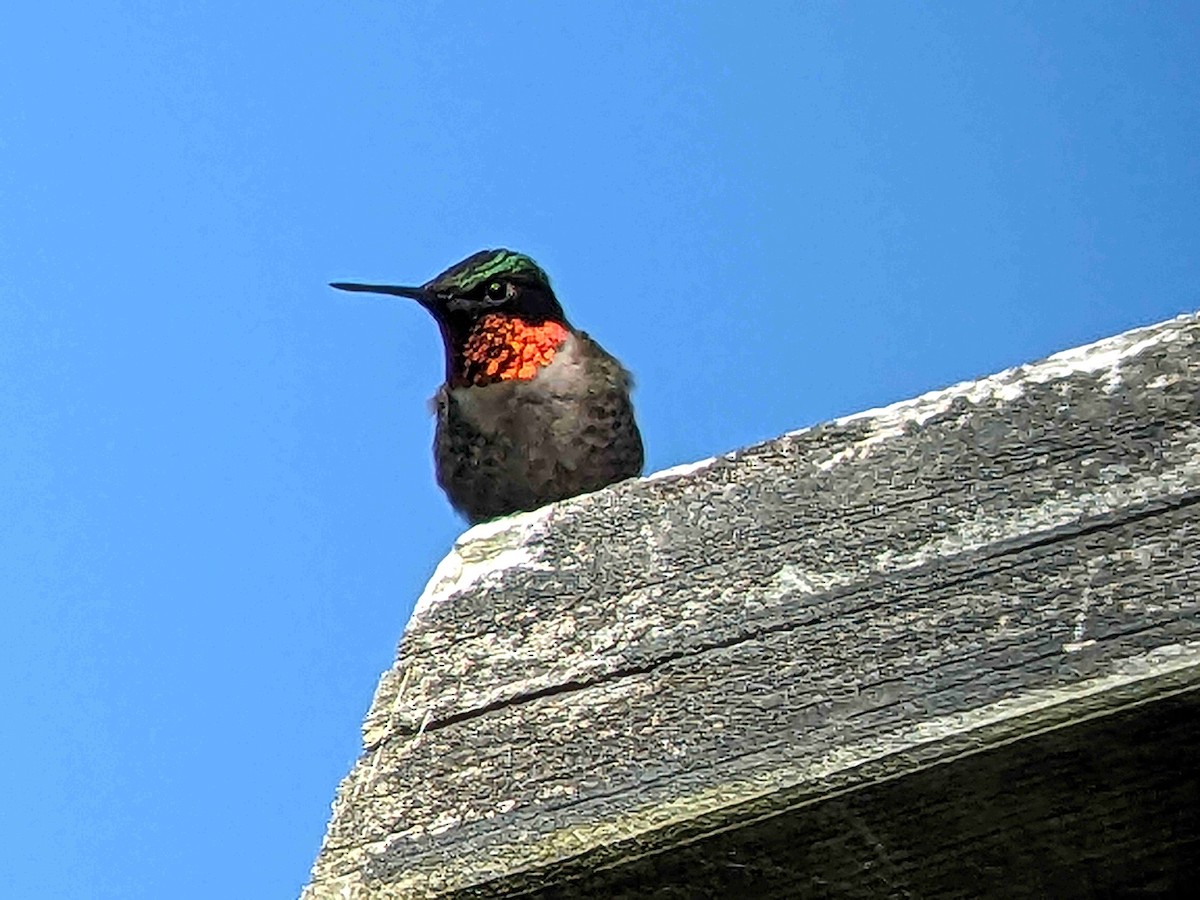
532	410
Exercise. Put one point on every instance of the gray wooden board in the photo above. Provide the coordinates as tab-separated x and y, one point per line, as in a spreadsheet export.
680	655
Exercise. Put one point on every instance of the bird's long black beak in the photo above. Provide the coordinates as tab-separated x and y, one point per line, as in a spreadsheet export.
421	295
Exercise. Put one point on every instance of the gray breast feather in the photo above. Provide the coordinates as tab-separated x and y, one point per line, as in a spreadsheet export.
520	445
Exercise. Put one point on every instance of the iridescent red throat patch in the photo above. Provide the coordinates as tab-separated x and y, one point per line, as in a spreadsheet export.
505	348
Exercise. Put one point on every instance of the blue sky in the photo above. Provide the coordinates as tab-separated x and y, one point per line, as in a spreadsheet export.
216	495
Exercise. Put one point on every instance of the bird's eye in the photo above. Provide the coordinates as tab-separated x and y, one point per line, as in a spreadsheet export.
496	291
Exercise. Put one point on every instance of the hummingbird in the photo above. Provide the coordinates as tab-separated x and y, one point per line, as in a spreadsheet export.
532	410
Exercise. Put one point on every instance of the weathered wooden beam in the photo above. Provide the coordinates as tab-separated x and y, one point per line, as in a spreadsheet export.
947	647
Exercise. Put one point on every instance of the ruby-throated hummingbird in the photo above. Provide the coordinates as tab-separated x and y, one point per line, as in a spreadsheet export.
532	410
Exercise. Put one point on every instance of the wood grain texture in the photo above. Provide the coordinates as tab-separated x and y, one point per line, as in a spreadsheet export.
850	617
